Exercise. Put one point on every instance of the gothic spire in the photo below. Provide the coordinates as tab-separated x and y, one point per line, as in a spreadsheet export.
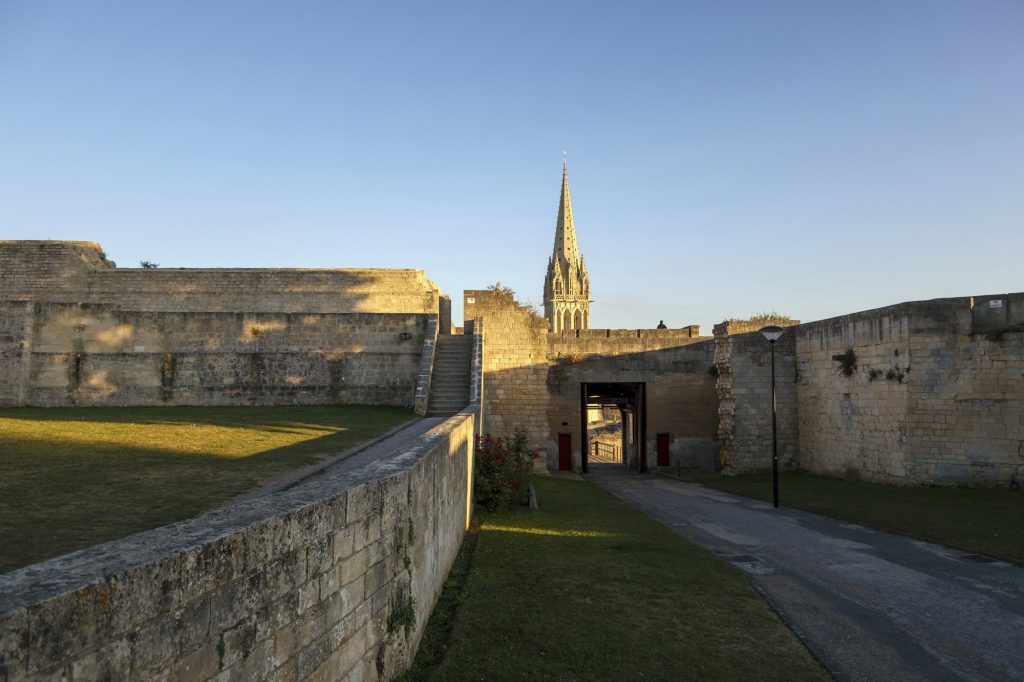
567	284
566	247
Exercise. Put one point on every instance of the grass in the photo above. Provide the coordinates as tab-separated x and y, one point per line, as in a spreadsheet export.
986	520
74	477
589	588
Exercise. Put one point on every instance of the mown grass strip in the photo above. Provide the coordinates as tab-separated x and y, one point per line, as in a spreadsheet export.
986	520
74	477
434	644
589	588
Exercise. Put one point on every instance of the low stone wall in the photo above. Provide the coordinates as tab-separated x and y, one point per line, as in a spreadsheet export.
333	579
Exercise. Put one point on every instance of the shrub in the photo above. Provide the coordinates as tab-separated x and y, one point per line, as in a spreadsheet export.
500	471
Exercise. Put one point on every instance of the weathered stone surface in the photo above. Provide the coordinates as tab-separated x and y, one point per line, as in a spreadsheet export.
930	398
74	329
194	600
531	379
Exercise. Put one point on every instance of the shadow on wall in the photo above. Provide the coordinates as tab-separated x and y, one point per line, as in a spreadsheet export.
681	400
78	476
76	330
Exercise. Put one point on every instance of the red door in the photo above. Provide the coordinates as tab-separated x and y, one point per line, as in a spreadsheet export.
663	450
564	452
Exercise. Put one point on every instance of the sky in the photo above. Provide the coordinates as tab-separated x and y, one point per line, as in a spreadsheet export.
726	158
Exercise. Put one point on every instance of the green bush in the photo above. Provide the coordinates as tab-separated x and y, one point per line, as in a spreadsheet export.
500	471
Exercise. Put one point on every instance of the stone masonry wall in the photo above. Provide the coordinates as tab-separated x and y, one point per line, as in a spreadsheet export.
76	330
856	426
937	395
532	378
743	364
16	324
103	355
331	580
78	272
966	410
514	364
673	364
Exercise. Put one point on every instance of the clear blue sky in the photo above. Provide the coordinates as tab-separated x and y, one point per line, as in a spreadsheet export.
814	157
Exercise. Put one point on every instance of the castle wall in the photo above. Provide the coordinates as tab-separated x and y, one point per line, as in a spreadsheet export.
966	413
16	326
78	272
856	425
743	364
936	394
533	378
333	579
94	334
514	365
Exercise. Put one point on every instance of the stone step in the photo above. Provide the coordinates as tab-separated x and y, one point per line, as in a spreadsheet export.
449	383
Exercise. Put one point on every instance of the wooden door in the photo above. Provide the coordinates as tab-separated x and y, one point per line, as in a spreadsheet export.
663	459
564	452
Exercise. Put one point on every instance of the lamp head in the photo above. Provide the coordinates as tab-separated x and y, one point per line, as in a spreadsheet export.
772	332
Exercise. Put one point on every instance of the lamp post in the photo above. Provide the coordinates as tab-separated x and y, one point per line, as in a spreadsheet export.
772	333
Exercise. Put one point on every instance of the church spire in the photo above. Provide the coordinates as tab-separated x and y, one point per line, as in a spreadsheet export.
565	228
567	284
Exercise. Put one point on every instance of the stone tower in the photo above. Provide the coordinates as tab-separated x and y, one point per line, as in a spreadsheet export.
567	284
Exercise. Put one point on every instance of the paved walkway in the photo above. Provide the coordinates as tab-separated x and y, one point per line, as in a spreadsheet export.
870	605
356	457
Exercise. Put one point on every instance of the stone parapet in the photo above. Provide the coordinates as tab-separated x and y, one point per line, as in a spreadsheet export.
333	579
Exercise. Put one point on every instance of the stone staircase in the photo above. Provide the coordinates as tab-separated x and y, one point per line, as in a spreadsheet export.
449	384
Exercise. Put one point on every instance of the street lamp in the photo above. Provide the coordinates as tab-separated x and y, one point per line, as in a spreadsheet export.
772	333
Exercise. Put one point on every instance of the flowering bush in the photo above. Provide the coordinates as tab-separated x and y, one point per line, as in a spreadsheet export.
500	470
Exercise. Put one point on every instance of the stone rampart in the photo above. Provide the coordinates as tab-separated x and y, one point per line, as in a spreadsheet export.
856	425
926	392
743	371
936	396
333	579
78	272
533	377
76	330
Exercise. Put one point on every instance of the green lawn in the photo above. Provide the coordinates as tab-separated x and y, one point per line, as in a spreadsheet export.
74	477
987	520
588	588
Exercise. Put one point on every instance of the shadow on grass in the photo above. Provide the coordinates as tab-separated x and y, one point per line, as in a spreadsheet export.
590	588
986	520
74	477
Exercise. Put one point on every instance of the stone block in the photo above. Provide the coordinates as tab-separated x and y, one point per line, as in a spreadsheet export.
313	656
14	644
62	628
155	645
201	664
